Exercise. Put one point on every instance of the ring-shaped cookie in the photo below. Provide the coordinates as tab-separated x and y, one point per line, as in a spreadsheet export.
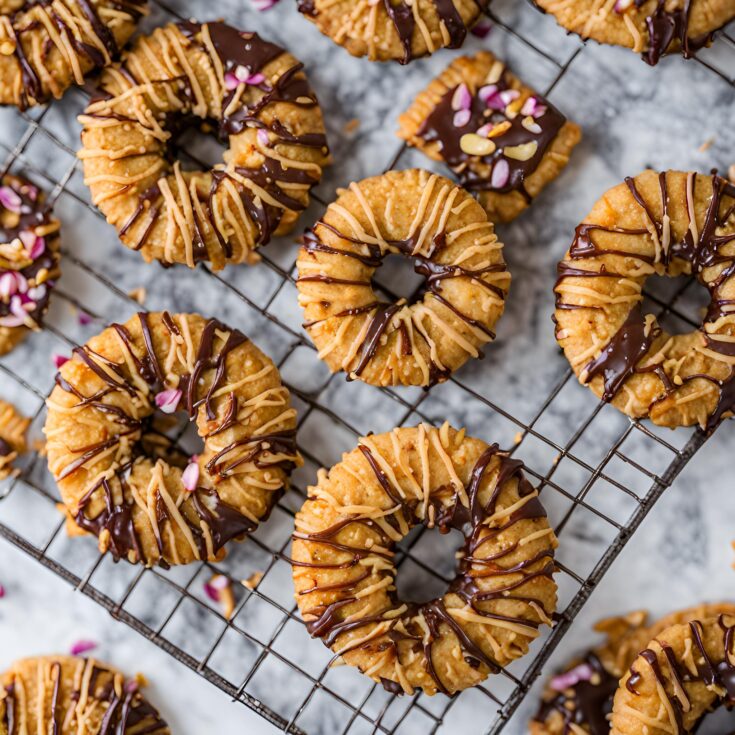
579	699
446	232
685	672
45	47
670	224
259	98
650	27
66	695
344	570
117	477
29	259
396	30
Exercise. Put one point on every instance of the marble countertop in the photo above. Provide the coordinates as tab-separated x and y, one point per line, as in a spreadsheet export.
676	116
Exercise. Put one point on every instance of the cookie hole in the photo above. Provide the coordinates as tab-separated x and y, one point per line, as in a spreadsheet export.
690	301
195	145
173	437
396	278
425	575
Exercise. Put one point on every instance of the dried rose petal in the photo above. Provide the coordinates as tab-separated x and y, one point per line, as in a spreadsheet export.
486	92
190	476
484	131
83	318
461	99
533	107
131	686
482	28
10	199
168	400
570	678
59	360
17	309
261	5
39	246
500	175
461	118
509	95
81	647
215	586
2	592
8	286
37	293
255	79
231	81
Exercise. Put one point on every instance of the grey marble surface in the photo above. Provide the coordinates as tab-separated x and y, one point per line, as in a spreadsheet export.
632	117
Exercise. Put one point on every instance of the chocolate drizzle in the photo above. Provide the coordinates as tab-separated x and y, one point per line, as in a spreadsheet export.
717	676
585	704
666	27
330	620
401	15
475	172
115	521
382	313
618	360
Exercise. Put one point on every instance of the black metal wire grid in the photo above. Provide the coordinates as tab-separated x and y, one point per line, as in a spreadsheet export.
264	640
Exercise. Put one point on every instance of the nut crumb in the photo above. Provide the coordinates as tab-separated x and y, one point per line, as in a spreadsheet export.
351	126
706	145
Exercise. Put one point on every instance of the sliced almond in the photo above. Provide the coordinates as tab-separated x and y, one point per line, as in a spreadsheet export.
499	129
530	124
522	152
475	145
496	71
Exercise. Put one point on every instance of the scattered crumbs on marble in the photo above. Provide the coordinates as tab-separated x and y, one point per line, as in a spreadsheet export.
219	589
138	294
351	126
707	144
252	581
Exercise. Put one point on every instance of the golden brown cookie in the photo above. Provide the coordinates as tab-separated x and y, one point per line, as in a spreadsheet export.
121	480
650	27
503	140
579	699
13	428
397	30
685	672
45	47
189	73
670	224
29	259
65	695
445	232
344	570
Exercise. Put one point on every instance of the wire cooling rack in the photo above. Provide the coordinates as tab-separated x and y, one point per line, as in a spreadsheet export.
600	472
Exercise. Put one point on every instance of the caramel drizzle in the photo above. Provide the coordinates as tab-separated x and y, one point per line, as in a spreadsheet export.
383	322
262	194
407	22
202	515
717	676
76	30
464	512
620	358
93	688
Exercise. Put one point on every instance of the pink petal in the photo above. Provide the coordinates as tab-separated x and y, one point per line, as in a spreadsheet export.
211	592
461	118
59	360
484	130
168	400
2	591
500	174
486	92
11	322
81	647
37	293
31	191
495	102
231	81
261	5
16	308
263	138
28	238
21	282
83	318
255	79
482	28
39	246
508	95
8	286
461	99
570	678
10	199
190	476
131	686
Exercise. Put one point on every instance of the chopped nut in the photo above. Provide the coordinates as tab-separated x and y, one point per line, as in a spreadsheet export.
496	71
530	124
7	47
475	145
499	129
522	152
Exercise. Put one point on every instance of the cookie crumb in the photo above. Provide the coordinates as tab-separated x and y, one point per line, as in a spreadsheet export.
706	145
351	126
252	581
138	294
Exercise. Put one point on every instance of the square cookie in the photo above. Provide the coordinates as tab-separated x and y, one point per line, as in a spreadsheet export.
504	142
